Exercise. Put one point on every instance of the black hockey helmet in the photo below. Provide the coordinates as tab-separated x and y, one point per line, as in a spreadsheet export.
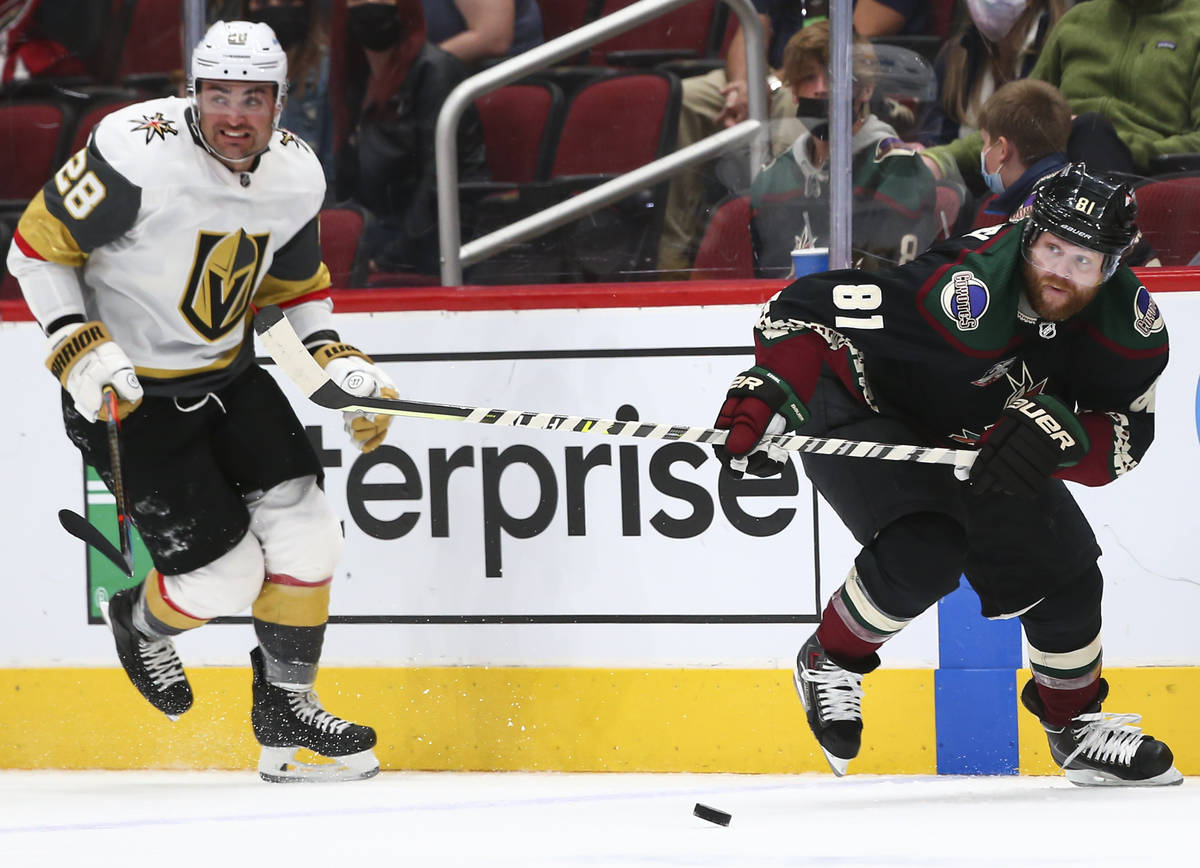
1086	210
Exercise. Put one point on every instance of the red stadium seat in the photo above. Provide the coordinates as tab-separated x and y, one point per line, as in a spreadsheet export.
520	126
679	35
726	250
154	44
31	135
617	123
563	16
1169	217
341	229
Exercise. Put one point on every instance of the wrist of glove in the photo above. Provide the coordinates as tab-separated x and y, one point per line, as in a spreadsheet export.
759	403
85	359
1035	436
353	370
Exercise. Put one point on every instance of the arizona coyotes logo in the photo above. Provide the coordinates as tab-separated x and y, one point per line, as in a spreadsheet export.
155	126
224	274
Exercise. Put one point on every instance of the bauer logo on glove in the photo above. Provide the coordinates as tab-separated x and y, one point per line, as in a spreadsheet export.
759	403
1036	435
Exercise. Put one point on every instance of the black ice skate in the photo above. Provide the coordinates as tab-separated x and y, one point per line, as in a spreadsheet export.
151	664
831	693
287	720
1104	750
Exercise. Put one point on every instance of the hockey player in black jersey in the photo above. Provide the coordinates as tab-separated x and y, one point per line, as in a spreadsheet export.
142	259
1029	340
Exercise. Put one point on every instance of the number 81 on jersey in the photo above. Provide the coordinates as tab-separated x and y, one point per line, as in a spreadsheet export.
858	297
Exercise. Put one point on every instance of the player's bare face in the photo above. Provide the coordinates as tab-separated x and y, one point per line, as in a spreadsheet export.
1062	277
236	118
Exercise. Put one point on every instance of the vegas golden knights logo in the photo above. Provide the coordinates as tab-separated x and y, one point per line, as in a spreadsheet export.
224	274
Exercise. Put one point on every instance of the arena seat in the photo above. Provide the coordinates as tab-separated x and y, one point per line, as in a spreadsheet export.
1169	216
726	249
31	145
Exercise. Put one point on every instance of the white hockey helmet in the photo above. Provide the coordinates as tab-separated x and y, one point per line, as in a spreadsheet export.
240	51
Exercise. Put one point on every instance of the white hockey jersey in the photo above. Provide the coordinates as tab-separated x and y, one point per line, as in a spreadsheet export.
147	232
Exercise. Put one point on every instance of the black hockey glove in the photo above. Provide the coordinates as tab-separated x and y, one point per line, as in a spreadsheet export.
759	402
1035	436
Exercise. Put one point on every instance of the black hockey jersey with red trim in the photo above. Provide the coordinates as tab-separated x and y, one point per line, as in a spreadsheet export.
947	340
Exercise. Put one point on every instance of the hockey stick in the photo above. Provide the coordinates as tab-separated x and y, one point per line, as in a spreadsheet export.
286	348
80	528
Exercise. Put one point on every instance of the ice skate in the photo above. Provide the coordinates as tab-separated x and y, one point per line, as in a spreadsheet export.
151	664
287	720
832	698
1104	750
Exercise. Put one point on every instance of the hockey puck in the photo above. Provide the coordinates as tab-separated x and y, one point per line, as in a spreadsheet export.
704	812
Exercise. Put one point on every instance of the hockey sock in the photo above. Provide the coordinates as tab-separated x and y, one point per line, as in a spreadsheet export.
1064	705
852	626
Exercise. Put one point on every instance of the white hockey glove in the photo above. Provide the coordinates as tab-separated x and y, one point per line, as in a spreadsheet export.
85	359
353	371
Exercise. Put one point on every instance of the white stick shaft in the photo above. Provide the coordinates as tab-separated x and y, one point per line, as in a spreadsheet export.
297	363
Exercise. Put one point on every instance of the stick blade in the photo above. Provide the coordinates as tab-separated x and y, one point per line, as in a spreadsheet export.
82	529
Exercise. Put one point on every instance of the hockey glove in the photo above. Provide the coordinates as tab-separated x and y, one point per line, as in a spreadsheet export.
353	371
85	359
1035	436
759	402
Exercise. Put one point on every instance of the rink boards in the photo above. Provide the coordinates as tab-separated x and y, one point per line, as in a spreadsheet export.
529	599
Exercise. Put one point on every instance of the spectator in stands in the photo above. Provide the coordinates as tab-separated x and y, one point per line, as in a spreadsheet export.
998	41
479	31
1024	128
1130	70
397	82
893	193
302	29
720	99
51	38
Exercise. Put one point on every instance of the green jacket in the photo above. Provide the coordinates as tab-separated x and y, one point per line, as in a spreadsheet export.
1137	62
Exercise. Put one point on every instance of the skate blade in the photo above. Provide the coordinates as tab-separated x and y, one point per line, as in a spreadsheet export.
837	764
1092	778
102	605
279	765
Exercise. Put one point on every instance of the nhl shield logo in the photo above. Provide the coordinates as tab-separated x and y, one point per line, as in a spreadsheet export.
965	300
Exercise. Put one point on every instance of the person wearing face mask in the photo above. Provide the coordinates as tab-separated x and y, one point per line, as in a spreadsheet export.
396	83
1130	70
1024	128
893	196
998	41
302	30
1029	342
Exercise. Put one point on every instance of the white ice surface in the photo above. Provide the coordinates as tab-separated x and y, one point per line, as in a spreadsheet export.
231	819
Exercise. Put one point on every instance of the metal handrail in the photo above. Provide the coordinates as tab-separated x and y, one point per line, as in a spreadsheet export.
753	130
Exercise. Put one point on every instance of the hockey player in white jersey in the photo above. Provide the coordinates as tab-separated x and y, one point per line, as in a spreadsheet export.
142	258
